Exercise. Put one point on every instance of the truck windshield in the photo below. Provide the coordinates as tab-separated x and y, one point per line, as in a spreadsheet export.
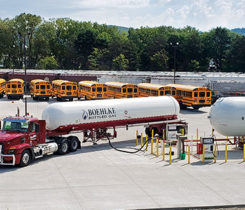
15	125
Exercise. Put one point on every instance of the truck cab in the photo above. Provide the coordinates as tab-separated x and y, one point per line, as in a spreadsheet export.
23	139
19	134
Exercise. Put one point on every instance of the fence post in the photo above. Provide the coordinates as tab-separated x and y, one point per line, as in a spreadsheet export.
152	136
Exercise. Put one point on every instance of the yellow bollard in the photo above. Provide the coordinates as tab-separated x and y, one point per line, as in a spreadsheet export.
163	150
203	153
146	138
141	140
225	153
243	152
163	134
189	154
151	145
157	147
137	141
170	155
197	134
183	131
215	153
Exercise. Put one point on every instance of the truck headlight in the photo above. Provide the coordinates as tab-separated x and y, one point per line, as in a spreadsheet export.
11	151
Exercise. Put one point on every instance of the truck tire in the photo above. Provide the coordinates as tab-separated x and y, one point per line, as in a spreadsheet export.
25	158
63	147
73	143
70	99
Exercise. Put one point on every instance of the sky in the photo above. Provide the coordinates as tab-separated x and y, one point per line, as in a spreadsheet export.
201	14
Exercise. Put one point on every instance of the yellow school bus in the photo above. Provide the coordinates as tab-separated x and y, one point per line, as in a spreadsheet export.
14	89
2	87
40	89
122	90
92	90
192	96
63	89
149	89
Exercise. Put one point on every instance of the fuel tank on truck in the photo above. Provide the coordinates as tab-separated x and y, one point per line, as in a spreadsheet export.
111	111
227	116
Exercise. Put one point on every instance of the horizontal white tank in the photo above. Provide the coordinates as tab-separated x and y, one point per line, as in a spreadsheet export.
227	116
85	112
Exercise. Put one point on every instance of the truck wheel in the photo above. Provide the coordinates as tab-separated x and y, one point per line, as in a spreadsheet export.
25	158
70	99
63	147
73	144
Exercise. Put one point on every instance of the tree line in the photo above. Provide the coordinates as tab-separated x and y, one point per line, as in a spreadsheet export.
29	40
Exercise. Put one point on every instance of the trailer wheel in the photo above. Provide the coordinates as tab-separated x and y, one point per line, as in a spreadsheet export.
73	143
195	107
63	147
25	158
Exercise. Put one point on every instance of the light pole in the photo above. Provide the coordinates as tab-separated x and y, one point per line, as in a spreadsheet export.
174	45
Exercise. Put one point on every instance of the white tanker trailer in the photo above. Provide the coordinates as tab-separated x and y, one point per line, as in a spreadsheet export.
23	139
227	116
95	117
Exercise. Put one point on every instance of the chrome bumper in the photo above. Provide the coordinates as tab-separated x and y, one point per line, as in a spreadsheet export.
7	164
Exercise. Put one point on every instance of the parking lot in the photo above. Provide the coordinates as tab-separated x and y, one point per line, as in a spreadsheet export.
98	177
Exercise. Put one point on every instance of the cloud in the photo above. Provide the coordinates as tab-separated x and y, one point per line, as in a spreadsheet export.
202	14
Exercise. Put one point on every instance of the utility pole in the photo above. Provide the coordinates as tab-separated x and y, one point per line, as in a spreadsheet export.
174	45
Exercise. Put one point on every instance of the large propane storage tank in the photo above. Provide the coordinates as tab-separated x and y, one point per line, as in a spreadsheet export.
227	116
85	112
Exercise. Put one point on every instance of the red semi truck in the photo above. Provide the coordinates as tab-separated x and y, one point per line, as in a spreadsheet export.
23	139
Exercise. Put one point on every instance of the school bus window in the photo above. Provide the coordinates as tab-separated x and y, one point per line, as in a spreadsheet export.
74	87
68	87
14	86
167	92
19	86
99	89
63	87
195	94
130	90
188	94
104	89
48	86
43	87
93	89
208	94
135	90
161	93
124	90
173	92
8	86
201	94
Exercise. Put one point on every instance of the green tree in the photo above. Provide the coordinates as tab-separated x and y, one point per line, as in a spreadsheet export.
48	63
120	63
159	61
